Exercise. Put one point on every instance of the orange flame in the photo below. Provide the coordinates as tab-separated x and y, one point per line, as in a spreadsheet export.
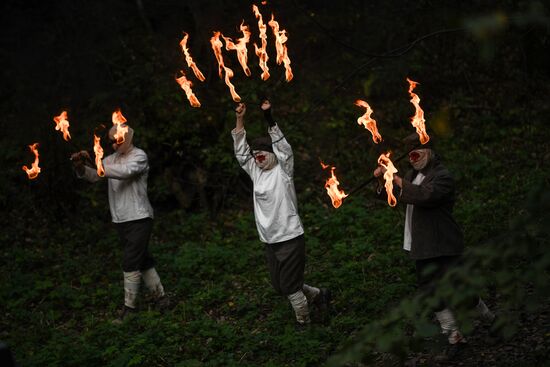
240	47
186	86
261	52
121	128
336	195
34	170
189	59
282	52
418	120
98	150
217	48
384	161
62	124
368	122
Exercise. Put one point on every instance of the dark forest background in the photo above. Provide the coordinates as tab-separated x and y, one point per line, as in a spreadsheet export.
484	86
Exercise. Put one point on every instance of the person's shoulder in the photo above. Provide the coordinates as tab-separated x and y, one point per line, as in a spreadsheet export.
137	153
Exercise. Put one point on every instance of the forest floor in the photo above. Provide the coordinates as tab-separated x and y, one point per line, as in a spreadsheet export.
530	346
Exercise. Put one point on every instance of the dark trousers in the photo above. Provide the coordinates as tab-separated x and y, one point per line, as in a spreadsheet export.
430	271
134	237
286	262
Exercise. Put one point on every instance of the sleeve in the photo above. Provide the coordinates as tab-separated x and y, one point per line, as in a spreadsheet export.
429	193
382	194
89	175
136	165
282	150
242	150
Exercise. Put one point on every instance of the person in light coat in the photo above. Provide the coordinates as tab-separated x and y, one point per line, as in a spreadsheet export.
126	171
269	161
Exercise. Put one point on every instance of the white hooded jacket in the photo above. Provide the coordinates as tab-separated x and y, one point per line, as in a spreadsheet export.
275	203
127	184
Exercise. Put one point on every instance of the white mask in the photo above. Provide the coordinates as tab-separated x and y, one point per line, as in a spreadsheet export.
264	160
419	158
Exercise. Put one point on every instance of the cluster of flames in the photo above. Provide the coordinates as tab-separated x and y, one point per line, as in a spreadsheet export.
62	125
417	121
240	47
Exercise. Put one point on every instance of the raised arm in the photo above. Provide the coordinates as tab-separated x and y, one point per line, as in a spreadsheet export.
240	145
281	147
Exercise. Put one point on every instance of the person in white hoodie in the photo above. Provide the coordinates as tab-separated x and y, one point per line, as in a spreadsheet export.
126	171
269	162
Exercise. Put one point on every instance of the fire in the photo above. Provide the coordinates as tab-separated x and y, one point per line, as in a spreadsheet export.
282	52
186	86
34	170
121	128
98	150
368	122
384	161
189	59
418	120
336	195
240	47
62	124
217	47
261	52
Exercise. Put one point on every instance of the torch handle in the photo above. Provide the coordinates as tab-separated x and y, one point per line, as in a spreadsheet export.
365	183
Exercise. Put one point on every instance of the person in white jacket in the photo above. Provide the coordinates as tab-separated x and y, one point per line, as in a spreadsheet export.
126	171
269	162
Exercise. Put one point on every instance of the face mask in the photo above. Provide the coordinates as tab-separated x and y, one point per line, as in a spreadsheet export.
264	160
126	145
419	158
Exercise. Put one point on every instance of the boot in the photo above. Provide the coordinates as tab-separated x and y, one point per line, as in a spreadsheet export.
124	314
299	303
456	341
152	281
132	281
484	311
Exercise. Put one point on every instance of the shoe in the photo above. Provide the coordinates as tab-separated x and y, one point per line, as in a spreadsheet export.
163	303
124	314
323	299
302	326
450	353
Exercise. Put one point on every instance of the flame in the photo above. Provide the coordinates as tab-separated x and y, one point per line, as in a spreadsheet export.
62	124
186	86
240	47
34	170
418	120
98	150
121	128
282	52
368	122
336	195
189	59
261	52
217	47
384	161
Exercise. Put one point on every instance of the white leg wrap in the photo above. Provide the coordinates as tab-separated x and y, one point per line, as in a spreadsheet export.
132	280
484	311
310	292
448	326
298	301
152	282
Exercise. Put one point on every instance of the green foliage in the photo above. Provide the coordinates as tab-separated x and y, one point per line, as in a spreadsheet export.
61	277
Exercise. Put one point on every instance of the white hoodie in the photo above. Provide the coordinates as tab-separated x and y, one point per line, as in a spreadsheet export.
275	203
127	180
